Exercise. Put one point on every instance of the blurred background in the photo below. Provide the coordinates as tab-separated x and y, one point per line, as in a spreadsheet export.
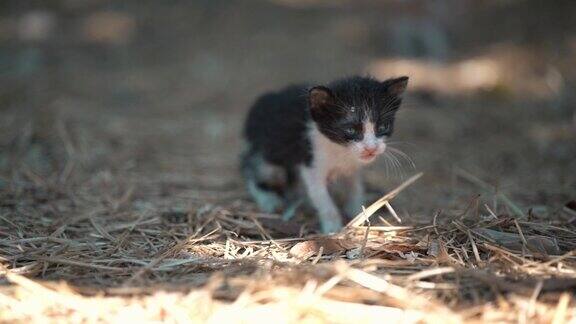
106	97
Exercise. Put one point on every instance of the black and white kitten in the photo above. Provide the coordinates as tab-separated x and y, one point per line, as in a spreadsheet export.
301	140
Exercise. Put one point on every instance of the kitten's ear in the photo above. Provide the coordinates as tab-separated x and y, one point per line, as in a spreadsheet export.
320	98
396	87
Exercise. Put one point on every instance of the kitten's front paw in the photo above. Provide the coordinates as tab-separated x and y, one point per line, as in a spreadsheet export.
331	225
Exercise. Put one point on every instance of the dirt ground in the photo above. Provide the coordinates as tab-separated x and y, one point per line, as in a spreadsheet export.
120	133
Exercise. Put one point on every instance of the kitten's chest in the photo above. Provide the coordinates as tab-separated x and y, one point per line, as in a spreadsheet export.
332	160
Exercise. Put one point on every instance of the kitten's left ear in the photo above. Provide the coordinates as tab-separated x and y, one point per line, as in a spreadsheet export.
320	98
396	87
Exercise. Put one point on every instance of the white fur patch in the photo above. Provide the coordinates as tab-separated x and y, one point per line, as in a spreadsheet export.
331	161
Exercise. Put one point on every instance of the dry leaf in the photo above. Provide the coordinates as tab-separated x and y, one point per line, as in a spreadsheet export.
329	245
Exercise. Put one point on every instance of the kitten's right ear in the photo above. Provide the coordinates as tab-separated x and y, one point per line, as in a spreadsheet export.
396	87
319	98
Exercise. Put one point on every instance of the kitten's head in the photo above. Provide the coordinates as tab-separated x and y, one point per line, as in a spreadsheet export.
357	113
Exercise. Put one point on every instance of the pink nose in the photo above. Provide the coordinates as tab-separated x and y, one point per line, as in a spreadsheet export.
369	151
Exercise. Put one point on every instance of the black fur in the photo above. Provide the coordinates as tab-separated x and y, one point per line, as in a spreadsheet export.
276	127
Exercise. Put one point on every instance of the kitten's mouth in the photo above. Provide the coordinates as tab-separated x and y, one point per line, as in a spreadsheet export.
367	157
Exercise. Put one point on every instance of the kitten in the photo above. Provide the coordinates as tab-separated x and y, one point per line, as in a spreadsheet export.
305	139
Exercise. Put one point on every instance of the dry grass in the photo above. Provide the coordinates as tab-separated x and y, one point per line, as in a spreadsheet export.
482	263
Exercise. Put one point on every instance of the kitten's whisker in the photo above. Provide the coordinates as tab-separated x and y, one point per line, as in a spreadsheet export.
399	142
396	162
400	171
386	164
411	164
393	164
405	156
390	162
402	155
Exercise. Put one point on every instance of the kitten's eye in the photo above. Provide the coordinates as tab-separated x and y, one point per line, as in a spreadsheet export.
350	131
383	129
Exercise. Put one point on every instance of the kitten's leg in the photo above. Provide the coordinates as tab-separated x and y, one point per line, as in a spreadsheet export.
268	201
315	184
355	198
294	196
291	209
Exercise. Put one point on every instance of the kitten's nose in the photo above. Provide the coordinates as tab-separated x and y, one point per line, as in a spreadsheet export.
369	151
